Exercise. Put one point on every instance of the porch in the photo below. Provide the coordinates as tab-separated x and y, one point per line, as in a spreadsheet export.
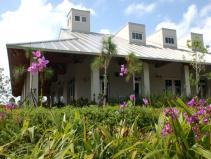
74	79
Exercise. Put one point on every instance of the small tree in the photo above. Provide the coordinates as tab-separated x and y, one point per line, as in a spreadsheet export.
198	62
134	66
5	92
103	61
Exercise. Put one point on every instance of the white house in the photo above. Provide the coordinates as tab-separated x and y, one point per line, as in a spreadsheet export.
166	62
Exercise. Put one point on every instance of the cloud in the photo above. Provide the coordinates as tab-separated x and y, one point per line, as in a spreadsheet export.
205	10
193	20
184	24
139	8
105	31
32	21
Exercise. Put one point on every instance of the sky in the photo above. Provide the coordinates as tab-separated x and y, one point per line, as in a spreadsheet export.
36	20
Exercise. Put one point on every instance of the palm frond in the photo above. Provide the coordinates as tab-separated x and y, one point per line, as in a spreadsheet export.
134	65
97	62
48	73
18	72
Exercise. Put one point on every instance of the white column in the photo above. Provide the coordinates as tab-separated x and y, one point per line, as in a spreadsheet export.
146	79
95	84
187	80
34	85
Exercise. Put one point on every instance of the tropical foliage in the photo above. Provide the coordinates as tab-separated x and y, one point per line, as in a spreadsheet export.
103	61
198	62
180	131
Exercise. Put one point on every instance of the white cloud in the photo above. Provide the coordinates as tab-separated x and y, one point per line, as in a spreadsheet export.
140	8
32	21
205	10
105	31
193	20
182	26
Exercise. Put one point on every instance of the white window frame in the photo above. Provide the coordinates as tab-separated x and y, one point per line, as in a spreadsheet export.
169	39
82	19
135	36
79	18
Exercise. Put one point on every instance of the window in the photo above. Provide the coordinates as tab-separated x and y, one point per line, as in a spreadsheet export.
77	18
137	36
177	84
83	19
168	85
173	86
169	40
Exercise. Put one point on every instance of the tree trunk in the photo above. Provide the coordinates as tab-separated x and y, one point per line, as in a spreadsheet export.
105	84
197	76
134	89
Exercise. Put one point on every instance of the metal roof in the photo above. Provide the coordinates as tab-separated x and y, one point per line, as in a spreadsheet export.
90	43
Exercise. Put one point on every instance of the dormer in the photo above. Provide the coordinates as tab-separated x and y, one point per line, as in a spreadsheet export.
190	37
133	33
164	37
79	20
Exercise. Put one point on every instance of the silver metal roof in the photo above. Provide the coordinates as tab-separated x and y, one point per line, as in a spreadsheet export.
90	43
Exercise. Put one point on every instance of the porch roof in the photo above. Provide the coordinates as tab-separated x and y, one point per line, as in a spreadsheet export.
90	43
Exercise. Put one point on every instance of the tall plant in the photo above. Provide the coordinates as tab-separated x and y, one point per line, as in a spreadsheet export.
103	60
134	66
38	65
198	61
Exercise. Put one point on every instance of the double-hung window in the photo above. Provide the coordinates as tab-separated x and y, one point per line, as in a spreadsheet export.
136	36
169	40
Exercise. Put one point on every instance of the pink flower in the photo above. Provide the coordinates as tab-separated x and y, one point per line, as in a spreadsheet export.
206	120
202	102
166	130
36	54
33	68
132	97
172	112
145	101
122	105
122	69
42	62
125	71
191	102
121	74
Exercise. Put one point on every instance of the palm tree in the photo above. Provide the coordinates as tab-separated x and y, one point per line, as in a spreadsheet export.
198	61
134	66
102	61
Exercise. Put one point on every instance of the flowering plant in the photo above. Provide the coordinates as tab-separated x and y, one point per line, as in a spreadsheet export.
39	64
187	125
123	70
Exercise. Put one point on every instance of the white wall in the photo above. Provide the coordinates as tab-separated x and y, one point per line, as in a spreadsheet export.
159	37
170	71
79	26
128	29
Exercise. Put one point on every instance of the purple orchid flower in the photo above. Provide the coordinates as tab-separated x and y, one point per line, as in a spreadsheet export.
36	54
191	102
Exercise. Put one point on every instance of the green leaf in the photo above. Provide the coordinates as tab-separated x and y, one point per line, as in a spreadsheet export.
201	151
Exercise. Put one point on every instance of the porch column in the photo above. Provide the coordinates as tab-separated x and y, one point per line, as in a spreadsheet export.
95	84
187	80
34	87
146	79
